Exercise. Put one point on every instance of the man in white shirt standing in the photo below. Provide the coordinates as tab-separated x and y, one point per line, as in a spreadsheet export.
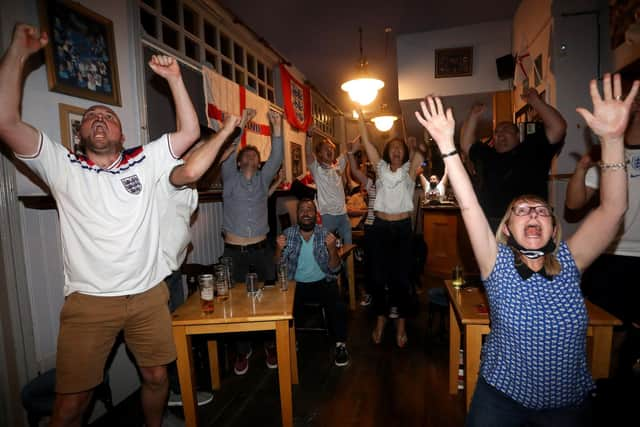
110	230
327	172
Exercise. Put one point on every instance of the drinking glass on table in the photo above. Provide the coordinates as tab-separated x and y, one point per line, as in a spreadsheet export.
283	279
251	281
206	286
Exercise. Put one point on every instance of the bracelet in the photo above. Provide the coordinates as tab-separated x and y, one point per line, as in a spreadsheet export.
450	153
619	165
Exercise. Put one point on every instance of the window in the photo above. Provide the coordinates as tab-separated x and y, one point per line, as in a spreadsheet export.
193	33
322	113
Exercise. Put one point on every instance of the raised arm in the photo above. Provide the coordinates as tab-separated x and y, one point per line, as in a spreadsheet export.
445	177
578	194
276	155
609	121
417	154
187	127
276	183
372	152
308	147
228	157
20	137
555	126
441	126
469	127
200	159
352	148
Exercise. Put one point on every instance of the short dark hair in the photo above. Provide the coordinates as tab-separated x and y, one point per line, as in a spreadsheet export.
385	152
245	149
322	142
306	200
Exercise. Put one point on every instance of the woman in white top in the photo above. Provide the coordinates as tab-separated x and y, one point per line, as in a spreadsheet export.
395	184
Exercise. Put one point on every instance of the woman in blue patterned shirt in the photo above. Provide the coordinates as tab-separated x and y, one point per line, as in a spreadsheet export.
534	367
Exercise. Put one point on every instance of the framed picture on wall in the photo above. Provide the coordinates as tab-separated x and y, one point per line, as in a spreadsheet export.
454	62
80	55
70	119
296	159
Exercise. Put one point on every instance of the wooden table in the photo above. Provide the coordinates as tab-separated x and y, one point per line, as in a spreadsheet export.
463	310
240	313
346	252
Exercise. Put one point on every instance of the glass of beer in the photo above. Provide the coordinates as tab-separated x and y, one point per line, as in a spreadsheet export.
457	276
206	285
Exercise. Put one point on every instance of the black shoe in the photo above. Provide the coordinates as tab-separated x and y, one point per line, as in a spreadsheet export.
342	355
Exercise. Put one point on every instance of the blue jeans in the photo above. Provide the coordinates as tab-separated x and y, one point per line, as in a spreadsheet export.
339	223
492	408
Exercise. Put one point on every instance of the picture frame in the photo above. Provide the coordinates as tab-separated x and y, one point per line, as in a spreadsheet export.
70	119
454	62
81	55
296	159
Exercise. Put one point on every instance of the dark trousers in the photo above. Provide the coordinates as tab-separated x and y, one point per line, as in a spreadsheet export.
611	282
392	261
369	248
324	293
260	256
492	408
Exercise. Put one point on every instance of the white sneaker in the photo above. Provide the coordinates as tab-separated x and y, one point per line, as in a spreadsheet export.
393	314
203	398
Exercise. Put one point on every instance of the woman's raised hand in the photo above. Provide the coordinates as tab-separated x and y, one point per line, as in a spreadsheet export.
610	113
437	122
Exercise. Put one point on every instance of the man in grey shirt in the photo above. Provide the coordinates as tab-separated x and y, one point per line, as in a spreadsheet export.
245	223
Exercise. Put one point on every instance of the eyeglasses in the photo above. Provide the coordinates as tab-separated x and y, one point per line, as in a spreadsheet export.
523	210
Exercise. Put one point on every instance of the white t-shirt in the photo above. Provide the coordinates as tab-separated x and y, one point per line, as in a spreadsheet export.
330	196
109	218
427	188
176	205
627	242
394	189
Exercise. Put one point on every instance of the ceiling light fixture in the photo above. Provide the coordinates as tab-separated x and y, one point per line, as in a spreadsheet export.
363	89
384	119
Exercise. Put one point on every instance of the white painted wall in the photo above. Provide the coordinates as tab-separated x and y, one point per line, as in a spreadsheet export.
416	56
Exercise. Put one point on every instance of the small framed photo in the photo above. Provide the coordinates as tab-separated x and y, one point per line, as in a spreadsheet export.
70	119
454	62
81	54
296	159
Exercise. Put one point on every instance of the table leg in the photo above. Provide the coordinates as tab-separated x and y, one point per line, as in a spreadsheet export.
454	350
283	347
473	345
351	277
294	353
184	363
214	364
601	351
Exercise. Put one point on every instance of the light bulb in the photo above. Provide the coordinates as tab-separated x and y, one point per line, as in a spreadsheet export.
363	91
384	123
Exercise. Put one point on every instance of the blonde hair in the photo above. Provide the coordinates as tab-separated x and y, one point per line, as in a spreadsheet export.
551	264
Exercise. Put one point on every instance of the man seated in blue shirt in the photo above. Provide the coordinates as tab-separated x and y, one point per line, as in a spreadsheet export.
312	259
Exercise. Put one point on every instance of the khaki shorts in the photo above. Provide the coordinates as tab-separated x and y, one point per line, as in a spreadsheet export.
89	326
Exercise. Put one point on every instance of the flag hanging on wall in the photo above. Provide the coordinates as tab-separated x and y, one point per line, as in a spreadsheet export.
297	100
224	97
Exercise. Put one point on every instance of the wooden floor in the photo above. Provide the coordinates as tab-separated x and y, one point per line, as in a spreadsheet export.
383	386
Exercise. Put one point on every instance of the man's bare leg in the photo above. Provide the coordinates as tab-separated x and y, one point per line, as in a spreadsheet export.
69	409
155	389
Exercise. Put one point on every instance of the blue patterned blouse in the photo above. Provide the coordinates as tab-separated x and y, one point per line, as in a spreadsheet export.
536	350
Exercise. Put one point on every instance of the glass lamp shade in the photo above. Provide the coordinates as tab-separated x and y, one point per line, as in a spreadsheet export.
384	123
364	90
